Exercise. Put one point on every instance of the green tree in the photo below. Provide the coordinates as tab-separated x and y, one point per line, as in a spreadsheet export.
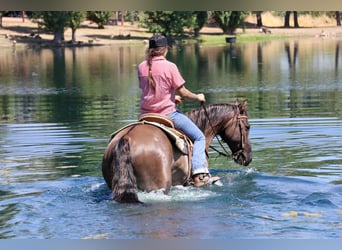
132	16
169	23
201	18
99	17
228	21
53	21
336	15
74	22
57	21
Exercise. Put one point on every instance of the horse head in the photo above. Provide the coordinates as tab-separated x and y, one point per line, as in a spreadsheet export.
230	122
236	134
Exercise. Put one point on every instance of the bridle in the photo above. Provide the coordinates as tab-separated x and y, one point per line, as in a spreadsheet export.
236	154
240	119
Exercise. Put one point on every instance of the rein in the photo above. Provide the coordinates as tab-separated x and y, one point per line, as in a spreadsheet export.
225	153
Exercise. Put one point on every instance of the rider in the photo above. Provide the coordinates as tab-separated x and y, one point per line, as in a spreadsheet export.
159	80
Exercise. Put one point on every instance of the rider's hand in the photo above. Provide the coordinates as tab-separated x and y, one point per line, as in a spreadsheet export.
200	97
178	99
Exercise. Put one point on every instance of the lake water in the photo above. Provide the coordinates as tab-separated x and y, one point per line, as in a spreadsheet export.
58	108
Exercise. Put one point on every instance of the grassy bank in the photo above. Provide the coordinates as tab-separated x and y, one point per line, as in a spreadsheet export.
17	33
221	39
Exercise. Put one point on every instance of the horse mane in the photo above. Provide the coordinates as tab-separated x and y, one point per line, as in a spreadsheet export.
216	113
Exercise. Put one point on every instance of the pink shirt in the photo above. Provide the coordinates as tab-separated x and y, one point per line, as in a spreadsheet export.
167	78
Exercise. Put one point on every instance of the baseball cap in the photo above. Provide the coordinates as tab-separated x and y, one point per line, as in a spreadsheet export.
157	41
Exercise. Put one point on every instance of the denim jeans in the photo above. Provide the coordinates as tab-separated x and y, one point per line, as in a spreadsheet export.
199	159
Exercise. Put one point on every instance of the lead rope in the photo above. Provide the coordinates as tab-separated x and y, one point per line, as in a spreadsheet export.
225	153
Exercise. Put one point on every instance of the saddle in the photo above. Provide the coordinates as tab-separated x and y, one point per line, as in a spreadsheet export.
178	138
161	119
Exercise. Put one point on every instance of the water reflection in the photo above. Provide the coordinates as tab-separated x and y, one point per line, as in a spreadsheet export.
287	79
7	213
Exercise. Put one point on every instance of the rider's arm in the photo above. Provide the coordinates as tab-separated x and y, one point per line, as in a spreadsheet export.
185	93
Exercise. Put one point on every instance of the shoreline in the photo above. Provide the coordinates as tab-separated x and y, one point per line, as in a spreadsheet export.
17	33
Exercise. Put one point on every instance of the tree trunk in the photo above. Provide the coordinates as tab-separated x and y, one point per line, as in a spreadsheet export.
196	32
338	18
116	17
58	37
287	19
201	18
122	18
259	19
295	19
337	58
73	35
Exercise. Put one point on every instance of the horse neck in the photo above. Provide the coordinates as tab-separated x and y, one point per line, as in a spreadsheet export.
212	118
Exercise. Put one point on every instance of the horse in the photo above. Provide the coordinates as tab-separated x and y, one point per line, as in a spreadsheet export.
143	157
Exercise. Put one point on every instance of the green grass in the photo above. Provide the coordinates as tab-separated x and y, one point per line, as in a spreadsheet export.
258	38
221	39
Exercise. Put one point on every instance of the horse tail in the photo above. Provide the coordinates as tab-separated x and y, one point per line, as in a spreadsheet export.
124	183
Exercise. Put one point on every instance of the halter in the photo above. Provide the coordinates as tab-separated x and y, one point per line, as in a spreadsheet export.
226	153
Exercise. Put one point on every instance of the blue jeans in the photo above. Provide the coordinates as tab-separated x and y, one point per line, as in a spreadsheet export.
199	159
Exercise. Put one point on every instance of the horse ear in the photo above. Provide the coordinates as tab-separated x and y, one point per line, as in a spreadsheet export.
237	102
243	107
245	104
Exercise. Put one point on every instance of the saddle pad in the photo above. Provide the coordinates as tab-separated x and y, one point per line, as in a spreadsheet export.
182	142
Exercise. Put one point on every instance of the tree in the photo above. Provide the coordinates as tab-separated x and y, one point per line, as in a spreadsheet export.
338	18
228	21
258	18
295	19
75	19
99	17
57	21
132	16
287	19
336	15
201	18
53	21
169	23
